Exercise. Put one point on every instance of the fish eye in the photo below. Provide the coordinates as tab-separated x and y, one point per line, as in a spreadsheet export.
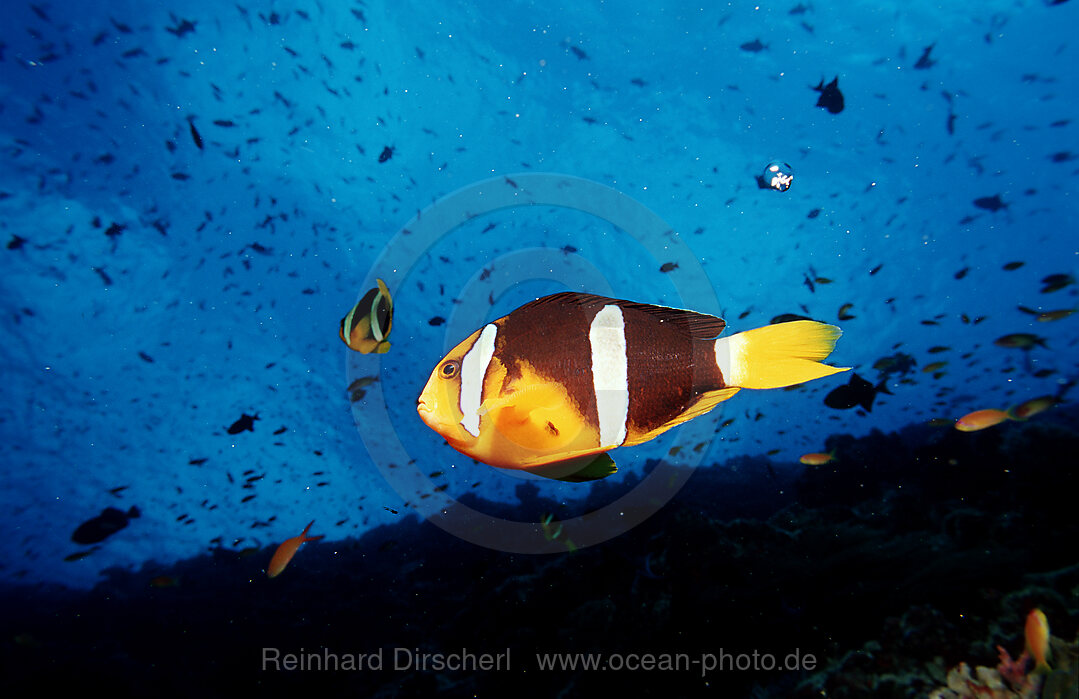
450	369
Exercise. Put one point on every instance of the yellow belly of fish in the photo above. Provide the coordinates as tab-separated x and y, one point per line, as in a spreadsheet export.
533	422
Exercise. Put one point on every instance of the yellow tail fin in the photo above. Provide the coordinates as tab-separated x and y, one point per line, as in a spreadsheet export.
778	355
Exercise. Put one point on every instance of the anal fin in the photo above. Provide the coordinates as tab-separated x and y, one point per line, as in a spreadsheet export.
706	402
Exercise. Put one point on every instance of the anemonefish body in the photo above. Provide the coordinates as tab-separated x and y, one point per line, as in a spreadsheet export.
287	550
368	324
558	382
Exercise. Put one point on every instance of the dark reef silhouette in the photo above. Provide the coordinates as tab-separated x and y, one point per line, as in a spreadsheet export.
909	553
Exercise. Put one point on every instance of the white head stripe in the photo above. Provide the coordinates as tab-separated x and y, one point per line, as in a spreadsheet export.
473	369
607	334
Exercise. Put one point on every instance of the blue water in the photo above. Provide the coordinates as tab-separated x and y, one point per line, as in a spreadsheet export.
127	355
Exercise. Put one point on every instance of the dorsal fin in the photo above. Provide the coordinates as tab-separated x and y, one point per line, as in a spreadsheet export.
700	326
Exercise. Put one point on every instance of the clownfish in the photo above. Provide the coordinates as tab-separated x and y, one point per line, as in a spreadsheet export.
554	385
368	324
287	550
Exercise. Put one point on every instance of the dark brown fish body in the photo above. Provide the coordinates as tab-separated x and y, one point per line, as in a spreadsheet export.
665	383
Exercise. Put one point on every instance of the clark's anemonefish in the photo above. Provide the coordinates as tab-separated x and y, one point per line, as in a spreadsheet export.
368	324
558	382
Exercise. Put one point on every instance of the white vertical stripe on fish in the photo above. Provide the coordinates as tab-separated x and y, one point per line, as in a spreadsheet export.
607	334
376	330
473	369
728	352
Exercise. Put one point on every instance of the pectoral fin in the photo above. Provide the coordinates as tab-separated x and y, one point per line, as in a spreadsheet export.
537	417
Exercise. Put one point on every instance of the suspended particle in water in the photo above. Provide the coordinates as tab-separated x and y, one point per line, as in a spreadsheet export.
777	175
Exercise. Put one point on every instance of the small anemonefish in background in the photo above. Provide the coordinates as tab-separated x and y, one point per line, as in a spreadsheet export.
818	458
368	324
287	550
1037	636
558	382
980	419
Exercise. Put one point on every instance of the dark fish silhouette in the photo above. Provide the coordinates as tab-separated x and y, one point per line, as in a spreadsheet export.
925	61
385	155
195	134
79	555
899	363
754	46
830	96
787	318
246	422
183	26
993	203
857	391
110	521
1056	282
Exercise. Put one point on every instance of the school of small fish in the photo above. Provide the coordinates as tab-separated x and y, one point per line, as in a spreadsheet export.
275	203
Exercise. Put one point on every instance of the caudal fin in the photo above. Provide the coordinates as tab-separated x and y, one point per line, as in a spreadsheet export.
777	355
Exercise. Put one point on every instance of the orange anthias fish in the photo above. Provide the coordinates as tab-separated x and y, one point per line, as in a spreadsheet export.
817	458
1032	407
980	419
287	550
1037	633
